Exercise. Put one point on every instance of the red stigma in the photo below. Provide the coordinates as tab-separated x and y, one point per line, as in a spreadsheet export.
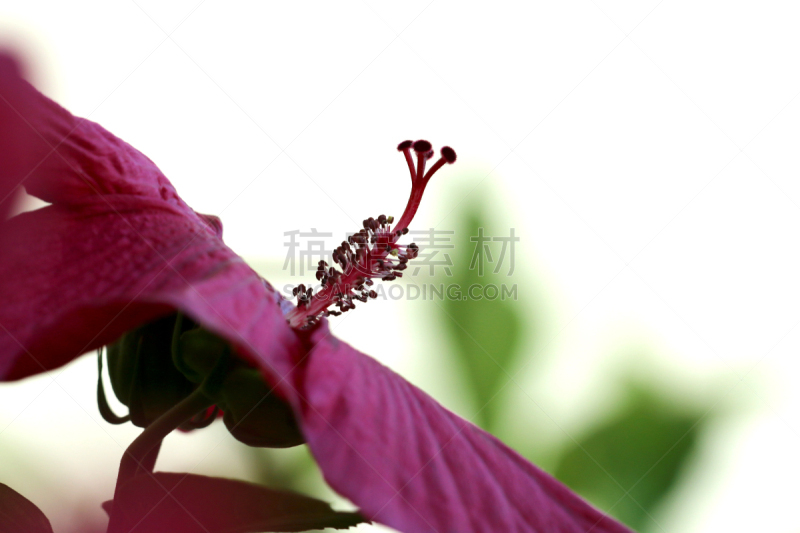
449	154
422	146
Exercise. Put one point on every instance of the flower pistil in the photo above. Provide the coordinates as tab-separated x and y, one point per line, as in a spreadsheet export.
371	253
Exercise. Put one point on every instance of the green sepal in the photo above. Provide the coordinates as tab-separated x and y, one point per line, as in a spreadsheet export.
142	374
102	403
199	352
254	414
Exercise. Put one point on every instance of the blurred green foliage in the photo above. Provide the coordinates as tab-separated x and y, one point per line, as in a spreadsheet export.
290	469
485	333
625	464
628	463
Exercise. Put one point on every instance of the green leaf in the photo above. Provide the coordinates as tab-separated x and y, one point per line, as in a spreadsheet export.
484	332
168	502
626	465
19	515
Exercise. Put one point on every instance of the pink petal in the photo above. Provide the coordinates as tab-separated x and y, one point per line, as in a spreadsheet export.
19	514
75	278
411	464
16	136
116	248
188	503
75	158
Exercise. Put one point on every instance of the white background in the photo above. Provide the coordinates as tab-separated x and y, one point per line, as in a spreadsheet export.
646	152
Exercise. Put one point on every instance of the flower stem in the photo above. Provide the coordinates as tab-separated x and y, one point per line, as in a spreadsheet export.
148	462
138	455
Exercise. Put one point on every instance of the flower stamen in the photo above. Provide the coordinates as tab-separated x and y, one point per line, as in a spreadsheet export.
370	253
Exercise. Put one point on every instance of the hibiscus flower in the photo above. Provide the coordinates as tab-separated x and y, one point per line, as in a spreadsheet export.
117	248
